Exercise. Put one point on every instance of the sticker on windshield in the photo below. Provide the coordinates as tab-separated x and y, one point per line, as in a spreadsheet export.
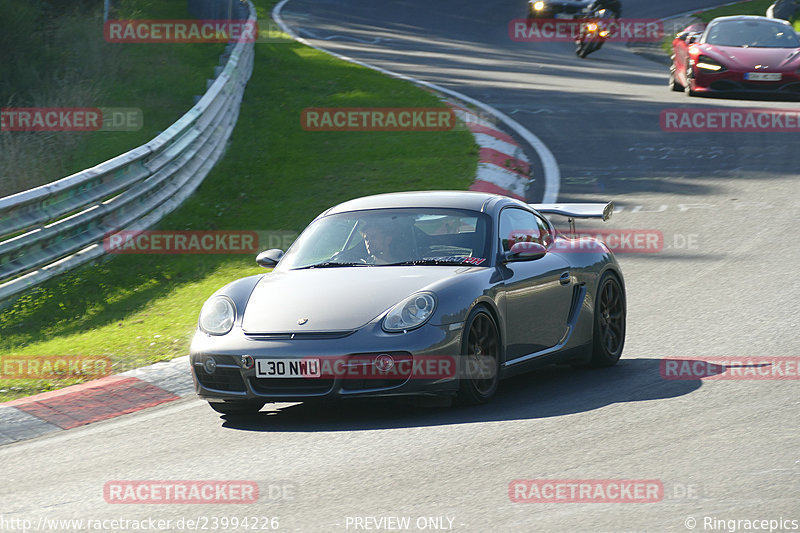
465	259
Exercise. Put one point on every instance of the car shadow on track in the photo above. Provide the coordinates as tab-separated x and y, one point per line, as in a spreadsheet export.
547	392
752	96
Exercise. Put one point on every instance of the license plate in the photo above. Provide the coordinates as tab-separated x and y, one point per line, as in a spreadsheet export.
287	368
763	76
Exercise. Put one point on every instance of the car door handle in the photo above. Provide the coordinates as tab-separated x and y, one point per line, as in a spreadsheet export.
564	279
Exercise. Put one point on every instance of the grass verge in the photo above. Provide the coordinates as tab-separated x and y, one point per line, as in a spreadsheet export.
63	61
139	309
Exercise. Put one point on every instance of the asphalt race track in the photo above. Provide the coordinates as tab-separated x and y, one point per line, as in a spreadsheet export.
722	285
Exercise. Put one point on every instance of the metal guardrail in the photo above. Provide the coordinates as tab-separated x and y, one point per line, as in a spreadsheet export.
57	227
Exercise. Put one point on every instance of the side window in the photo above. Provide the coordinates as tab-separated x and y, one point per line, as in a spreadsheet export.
518	225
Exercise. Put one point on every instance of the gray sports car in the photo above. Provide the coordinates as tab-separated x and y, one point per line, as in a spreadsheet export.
417	293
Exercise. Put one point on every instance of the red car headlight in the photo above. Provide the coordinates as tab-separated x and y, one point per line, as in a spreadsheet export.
707	64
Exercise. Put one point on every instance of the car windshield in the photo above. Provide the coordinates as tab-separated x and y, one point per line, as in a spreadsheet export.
391	237
752	33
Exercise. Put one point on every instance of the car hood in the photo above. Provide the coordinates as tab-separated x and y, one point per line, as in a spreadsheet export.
747	58
333	299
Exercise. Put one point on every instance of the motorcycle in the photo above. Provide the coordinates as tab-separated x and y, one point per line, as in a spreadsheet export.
594	32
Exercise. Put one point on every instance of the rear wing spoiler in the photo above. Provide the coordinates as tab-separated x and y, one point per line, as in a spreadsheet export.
603	211
573	211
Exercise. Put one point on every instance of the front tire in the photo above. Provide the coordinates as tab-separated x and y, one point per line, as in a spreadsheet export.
673	81
481	348
687	89
609	322
587	47
237	407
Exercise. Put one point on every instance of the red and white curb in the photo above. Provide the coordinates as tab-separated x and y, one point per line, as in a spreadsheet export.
503	167
100	399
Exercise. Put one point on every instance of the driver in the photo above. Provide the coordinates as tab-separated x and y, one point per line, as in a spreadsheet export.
380	238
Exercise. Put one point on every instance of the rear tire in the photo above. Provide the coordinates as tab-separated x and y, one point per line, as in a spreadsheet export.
237	407
481	339
610	311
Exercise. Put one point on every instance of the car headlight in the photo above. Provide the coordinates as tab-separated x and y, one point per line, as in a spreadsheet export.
411	313
538	6
217	316
708	64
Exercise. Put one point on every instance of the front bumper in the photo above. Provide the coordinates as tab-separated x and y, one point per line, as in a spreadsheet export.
732	81
231	380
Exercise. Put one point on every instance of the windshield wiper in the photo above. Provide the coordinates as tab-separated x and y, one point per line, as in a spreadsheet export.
331	264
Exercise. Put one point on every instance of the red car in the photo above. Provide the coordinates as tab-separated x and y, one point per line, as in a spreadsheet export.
741	54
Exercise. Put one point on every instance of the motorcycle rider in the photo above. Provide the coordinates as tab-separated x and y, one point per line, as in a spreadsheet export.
614	7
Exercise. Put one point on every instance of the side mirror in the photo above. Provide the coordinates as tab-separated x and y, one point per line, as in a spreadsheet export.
524	251
682	36
269	258
692	39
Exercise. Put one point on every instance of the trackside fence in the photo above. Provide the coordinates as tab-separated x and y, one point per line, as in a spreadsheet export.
57	227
